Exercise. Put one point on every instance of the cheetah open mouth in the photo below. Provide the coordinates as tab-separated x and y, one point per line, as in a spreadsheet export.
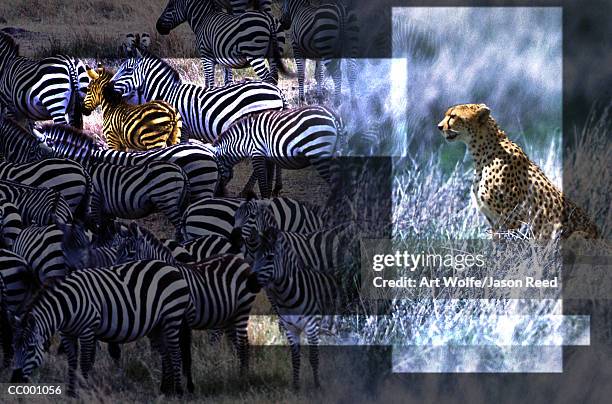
451	135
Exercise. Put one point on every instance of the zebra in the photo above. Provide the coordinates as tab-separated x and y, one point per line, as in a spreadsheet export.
321	33
41	89
233	41
299	295
291	139
147	126
196	160
17	145
206	112
15	289
217	216
199	249
117	304
222	292
62	175
10	224
137	191
240	6
36	205
52	251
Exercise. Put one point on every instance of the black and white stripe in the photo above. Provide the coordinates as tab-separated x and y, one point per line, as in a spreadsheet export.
36	205
220	287
17	145
41	89
199	249
51	251
62	175
325	33
291	139
233	41
300	295
117	304
10	224
206	113
195	159
134	192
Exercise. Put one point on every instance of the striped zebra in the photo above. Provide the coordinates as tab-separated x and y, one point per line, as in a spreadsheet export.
117	304
300	296
10	224
137	191
40	89
62	175
147	126
217	216
52	251
196	160
222	292
199	249
36	205
17	145
291	139
233	41
240	6
325	33
206	112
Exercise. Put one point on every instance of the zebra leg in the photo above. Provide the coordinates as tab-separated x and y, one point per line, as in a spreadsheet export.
249	186
240	339
294	344
71	347
278	181
228	76
333	66
260	169
352	75
88	352
319	78
300	62
173	352
185	344
259	65
209	72
6	331
312	336
114	351
323	166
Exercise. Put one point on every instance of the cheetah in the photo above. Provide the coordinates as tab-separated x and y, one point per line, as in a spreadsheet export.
508	188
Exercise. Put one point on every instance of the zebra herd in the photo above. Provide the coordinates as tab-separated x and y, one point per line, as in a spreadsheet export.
68	266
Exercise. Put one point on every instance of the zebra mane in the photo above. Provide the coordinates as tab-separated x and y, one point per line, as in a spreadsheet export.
149	55
10	43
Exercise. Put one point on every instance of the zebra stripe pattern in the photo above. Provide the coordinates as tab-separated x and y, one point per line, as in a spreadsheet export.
17	145
10	224
195	159
51	251
62	175
299	294
206	113
321	33
41	89
221	295
118	304
291	139
151	125
231	41
36	205
217	216
137	191
199	249
240	6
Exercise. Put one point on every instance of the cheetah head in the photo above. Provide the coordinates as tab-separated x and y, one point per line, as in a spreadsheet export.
464	121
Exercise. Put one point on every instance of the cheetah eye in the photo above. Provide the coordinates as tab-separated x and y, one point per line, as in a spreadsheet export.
453	116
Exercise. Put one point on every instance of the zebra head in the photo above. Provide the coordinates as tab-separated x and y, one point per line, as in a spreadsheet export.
76	245
29	347
140	244
267	263
251	221
8	48
129	78
17	145
66	141
174	14
100	88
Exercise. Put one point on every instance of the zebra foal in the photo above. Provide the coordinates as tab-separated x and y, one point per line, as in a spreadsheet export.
103	304
152	125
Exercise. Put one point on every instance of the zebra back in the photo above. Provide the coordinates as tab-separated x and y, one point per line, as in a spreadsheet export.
17	281
200	248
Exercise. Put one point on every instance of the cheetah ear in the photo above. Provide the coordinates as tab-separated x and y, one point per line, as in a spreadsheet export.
483	112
